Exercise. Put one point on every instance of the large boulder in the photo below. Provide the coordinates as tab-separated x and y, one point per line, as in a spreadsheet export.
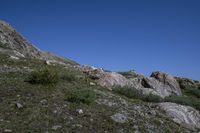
162	83
110	79
184	115
105	78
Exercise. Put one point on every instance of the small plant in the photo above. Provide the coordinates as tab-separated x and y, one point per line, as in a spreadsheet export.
192	91
153	98
68	75
44	76
128	92
129	74
84	96
132	92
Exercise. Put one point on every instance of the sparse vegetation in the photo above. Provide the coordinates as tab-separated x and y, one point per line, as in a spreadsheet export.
128	74
132	92
44	76
189	90
84	96
4	46
184	100
68	76
50	99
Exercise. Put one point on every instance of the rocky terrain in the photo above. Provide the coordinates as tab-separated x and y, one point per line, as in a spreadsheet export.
43	92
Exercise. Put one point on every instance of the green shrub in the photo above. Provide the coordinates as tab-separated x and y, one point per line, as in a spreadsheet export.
129	74
192	91
68	75
44	76
82	96
152	98
189	101
128	92
132	92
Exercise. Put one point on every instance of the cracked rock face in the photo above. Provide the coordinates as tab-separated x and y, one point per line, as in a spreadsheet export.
159	83
162	83
110	79
184	115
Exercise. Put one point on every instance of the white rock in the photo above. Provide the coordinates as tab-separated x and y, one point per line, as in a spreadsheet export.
184	115
18	54
92	84
7	130
14	57
56	127
120	118
79	111
19	106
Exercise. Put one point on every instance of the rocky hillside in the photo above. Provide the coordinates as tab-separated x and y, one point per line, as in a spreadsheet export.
44	93
12	41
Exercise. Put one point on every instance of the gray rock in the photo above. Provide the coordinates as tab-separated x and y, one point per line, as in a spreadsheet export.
184	115
7	130
19	105
56	127
120	118
92	84
44	102
79	111
110	79
14	57
163	84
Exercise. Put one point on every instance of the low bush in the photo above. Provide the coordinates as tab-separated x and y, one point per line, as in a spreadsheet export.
68	76
152	98
44	76
183	100
132	92
192	91
84	96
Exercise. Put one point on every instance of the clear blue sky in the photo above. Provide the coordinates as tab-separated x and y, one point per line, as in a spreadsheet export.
144	35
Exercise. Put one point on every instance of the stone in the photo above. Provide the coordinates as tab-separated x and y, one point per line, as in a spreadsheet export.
183	115
110	79
77	126
7	130
79	111
19	105
44	102
56	127
120	118
14	57
163	84
92	84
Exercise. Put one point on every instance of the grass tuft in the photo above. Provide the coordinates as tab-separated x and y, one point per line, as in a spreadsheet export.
132	92
44	76
84	96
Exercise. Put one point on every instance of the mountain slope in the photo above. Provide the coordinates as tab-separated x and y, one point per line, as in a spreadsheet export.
41	92
12	40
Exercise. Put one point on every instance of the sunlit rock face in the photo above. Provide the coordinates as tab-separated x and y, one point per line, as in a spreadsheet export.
184	115
164	84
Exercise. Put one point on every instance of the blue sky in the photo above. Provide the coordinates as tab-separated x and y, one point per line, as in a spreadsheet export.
119	35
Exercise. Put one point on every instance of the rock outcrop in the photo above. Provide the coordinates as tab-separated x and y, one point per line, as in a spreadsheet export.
159	83
164	84
106	79
184	115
